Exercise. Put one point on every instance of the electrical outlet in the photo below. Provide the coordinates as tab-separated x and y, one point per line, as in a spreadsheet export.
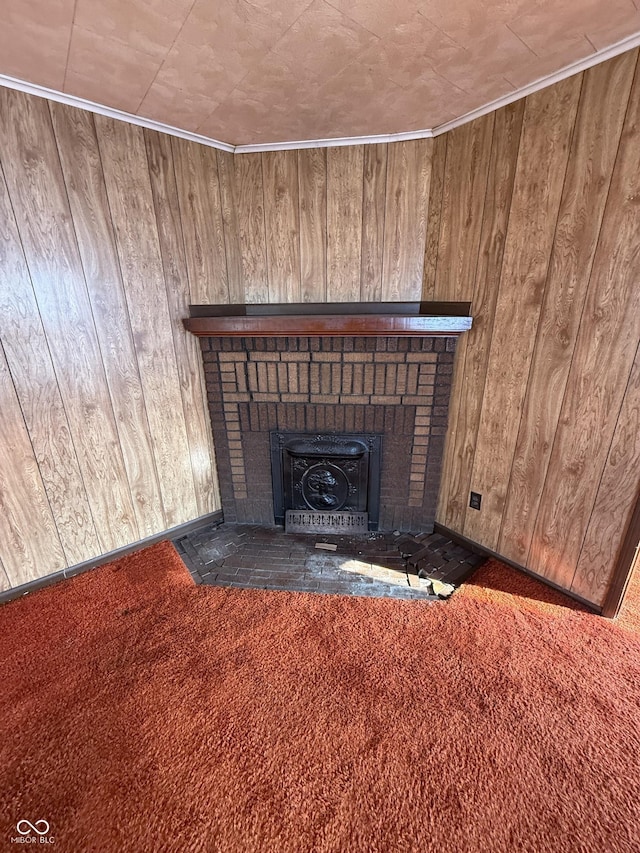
475	500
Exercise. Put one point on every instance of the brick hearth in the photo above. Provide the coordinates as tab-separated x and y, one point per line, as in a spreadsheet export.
378	564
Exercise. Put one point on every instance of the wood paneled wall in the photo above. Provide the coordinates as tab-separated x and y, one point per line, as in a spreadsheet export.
312	225
109	232
104	435
537	223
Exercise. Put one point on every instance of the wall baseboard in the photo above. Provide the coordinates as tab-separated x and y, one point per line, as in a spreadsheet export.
173	533
487	552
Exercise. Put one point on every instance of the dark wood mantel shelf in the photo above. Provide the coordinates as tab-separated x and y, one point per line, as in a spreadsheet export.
402	319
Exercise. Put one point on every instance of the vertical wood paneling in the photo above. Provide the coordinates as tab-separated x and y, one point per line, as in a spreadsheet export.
465	179
251	227
545	395
130	198
601	113
34	179
30	544
82	169
432	239
373	211
544	406
345	175
602	361
617	492
312	180
542	161
407	202
230	225
282	225
78	456
189	359
29	361
472	352
196	169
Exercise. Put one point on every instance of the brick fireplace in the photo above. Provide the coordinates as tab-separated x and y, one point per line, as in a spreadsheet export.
394	387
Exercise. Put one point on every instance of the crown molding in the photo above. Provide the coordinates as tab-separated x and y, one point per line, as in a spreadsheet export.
576	67
337	142
110	112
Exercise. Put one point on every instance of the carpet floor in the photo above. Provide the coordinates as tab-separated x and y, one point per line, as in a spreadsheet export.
139	712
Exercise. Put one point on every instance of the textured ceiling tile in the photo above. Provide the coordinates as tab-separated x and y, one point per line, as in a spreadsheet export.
548	28
414	106
276	70
34	40
380	17
251	31
34	54
468	21
412	48
613	31
108	72
489	59
322	41
237	118
149	26
202	70
285	12
541	66
187	109
275	81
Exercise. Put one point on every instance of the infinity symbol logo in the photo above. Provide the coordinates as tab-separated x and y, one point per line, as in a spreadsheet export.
32	826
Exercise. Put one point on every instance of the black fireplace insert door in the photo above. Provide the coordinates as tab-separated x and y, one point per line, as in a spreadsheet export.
326	473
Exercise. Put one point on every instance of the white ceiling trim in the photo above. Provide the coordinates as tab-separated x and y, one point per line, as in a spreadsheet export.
335	143
100	109
576	67
595	58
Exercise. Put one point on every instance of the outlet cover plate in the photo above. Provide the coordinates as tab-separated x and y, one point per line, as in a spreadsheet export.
475	500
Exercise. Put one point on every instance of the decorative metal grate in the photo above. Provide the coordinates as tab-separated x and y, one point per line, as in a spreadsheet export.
326	474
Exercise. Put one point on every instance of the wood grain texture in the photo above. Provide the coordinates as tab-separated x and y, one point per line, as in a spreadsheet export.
617	492
196	169
25	346
345	175
407	201
251	227
282	225
432	238
472	351
465	179
603	356
542	161
30	544
312	181
226	180
84	180
599	121
188	356
130	199
4	579
373	211
38	193
537	412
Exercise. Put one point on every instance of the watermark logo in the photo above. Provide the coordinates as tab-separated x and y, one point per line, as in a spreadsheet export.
33	833
24	827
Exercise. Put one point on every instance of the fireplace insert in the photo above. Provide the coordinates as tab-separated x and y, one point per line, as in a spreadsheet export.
326	482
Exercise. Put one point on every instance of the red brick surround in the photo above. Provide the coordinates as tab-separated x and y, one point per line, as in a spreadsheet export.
396	387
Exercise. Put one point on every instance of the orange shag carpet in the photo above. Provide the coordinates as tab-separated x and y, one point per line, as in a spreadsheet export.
139	712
